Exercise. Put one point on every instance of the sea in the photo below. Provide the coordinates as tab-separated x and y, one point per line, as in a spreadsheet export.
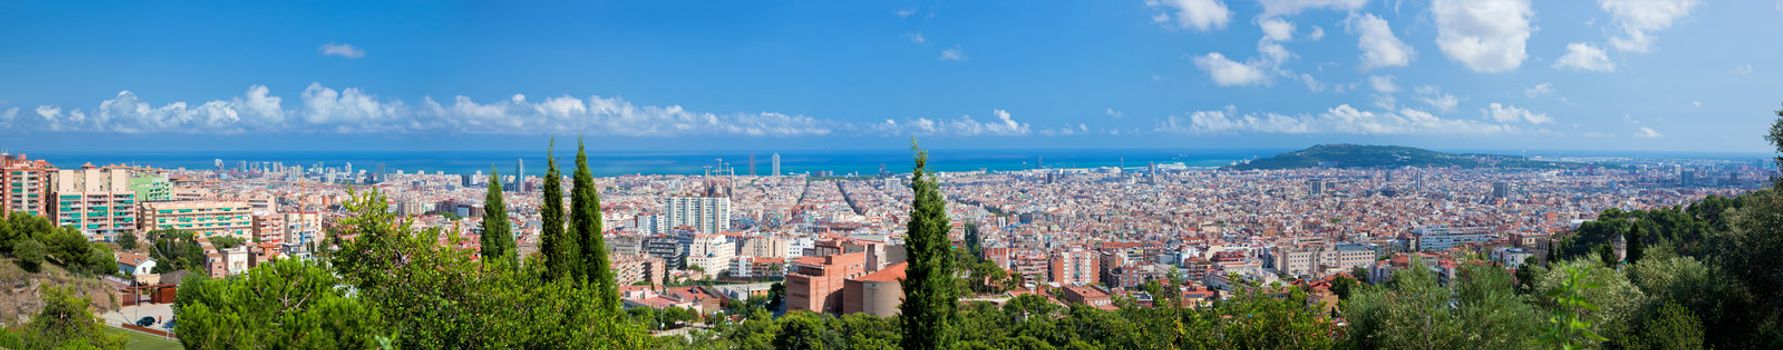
836	162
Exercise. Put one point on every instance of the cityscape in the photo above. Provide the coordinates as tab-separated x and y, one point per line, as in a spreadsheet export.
1616	211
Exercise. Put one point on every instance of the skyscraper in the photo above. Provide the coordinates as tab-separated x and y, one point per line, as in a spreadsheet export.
519	184
776	166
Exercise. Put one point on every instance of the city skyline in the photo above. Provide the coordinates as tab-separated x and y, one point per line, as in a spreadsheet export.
1192	74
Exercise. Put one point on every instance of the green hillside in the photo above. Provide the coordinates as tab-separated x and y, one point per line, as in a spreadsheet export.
1375	156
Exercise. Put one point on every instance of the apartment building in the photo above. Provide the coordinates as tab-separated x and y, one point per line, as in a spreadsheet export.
96	201
206	218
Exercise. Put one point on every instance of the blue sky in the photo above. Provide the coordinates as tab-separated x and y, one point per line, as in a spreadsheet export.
1681	75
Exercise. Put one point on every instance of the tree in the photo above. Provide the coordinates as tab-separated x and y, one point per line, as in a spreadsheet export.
801	330
559	248
586	223
1568	327
1669	327
175	250
286	303
931	293
497	240
127	240
1776	135
65	323
31	254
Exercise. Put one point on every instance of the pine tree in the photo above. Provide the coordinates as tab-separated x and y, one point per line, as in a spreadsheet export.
498	237
586	222
931	298
560	249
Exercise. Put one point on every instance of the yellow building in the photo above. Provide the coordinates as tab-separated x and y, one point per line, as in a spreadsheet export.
206	218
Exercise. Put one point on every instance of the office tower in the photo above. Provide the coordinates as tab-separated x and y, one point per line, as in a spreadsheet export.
24	185
206	218
151	187
1501	190
752	164
775	159
703	214
519	176
1315	187
96	201
1687	178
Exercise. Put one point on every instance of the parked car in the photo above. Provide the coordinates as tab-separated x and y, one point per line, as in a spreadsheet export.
145	321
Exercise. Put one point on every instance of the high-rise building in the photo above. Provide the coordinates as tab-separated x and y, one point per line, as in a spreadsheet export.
24	185
1687	178
519	176
1501	190
151	187
703	214
775	159
96	201
206	218
1315	187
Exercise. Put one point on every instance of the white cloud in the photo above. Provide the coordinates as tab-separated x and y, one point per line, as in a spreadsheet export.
8	116
1646	132
1539	90
1487	36
1342	119
1584	57
1380	48
342	50
1273	8
1276	29
1639	19
1111	112
1383	84
952	54
906	13
1743	69
1317	33
1226	72
1200	15
1511	114
1004	125
916	38
1433	96
350	110
328	110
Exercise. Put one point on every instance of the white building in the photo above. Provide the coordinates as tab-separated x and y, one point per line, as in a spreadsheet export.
703	214
712	253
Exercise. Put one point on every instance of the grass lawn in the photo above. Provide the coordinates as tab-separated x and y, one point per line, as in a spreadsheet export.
144	341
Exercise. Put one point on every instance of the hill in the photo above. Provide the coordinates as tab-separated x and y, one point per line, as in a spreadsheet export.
1375	156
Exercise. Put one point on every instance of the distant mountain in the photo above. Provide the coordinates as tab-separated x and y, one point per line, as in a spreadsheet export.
1373	156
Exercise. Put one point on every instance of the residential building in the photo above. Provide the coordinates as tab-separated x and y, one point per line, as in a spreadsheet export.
96	201
24	185
1074	267
711	253
151	187
204	217
703	214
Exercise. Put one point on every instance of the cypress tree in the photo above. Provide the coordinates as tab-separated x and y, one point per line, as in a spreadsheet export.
931	295
586	222
498	238
560	249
